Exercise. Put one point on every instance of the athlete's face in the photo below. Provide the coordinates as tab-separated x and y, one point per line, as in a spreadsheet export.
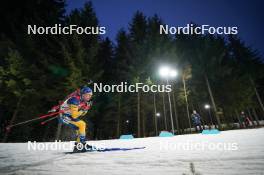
86	97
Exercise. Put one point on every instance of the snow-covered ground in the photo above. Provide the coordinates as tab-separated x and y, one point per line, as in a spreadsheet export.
230	152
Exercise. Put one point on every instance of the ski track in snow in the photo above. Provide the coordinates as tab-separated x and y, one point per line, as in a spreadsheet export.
154	159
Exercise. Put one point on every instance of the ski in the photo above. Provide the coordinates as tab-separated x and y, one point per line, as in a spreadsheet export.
106	150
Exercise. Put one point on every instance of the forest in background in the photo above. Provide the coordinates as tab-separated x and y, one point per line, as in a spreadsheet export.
37	71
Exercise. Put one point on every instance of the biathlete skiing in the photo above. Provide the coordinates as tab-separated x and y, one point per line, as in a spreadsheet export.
76	105
69	113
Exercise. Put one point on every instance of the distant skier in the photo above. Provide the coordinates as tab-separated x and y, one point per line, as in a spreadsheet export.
196	118
75	106
245	120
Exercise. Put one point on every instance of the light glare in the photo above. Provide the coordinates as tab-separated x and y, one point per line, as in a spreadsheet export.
164	71
206	106
173	73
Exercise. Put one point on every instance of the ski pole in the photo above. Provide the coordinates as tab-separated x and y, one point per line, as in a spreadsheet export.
48	115
52	118
28	121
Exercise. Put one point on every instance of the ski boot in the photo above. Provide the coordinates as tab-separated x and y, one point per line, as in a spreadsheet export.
82	145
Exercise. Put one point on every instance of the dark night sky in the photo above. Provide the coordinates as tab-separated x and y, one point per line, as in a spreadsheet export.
246	14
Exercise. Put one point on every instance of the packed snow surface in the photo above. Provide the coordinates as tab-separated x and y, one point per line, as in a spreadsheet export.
230	152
